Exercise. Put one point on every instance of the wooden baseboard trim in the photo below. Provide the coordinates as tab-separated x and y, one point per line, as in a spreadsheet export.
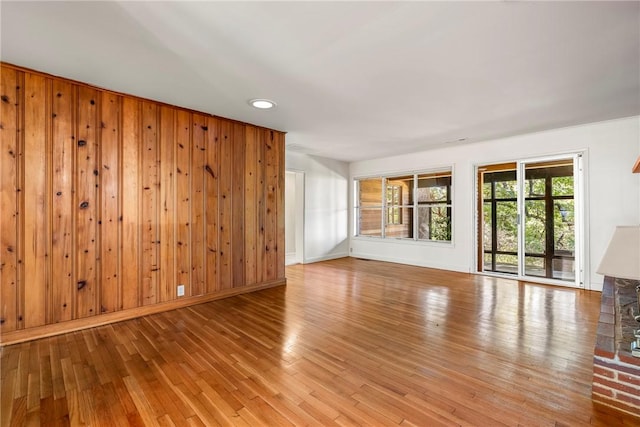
16	337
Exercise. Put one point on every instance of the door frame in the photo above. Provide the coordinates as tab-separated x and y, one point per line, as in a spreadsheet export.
580	218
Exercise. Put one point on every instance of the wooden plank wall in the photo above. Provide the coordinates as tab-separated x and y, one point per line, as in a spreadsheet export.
109	202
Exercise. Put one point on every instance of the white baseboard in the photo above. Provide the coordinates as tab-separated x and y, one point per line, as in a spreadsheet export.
326	257
290	259
449	267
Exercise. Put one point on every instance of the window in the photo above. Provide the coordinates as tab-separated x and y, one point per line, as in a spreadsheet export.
409	206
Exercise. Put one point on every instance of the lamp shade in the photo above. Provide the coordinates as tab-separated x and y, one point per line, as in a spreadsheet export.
622	258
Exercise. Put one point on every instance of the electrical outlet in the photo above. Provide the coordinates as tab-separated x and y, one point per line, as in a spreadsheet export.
180	292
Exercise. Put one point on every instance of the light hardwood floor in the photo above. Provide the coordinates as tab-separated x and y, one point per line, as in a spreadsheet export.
346	342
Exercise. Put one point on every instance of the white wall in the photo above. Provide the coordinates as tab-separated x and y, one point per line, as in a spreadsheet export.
290	217
612	191
326	212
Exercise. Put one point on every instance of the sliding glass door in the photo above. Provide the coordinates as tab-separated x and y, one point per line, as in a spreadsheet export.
500	218
530	219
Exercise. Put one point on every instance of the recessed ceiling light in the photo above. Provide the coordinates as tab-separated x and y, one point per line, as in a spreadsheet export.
263	104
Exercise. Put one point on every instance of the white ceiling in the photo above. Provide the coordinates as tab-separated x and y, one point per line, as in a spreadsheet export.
353	80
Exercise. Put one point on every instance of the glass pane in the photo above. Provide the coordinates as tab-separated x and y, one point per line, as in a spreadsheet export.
507	263
564	269
486	191
390	191
487	262
487	236
534	266
434	223
535	227
432	194
563	230
370	192
506	189
394	199
534	188
369	221
433	187
562	185
404	227
549	220
403	190
507	227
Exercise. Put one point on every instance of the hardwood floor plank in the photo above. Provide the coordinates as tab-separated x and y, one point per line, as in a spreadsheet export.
19	411
53	412
33	393
6	396
147	412
195	422
74	414
166	421
202	412
346	342
110	400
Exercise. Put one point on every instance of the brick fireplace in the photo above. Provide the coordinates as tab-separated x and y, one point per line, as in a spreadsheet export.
616	373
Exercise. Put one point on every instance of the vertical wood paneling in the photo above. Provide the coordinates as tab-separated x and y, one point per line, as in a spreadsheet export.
198	158
261	255
9	286
20	179
237	205
167	147
225	212
36	197
280	213
86	202
250	206
63	145
183	204
129	193
109	225
109	202
271	184
212	172
149	204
